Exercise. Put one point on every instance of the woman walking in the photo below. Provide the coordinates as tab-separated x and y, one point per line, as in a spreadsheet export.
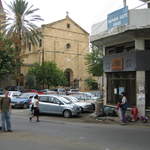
35	109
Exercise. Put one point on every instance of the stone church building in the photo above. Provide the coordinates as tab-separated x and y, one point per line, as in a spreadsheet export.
65	43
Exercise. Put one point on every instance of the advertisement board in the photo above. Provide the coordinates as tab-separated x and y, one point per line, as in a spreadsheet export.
117	18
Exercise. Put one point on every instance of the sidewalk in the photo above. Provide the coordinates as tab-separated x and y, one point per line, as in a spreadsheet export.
91	118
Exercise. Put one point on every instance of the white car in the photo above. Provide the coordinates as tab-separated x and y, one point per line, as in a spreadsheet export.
84	106
13	94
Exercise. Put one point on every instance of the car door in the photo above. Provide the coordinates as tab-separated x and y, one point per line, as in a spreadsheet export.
44	104
55	105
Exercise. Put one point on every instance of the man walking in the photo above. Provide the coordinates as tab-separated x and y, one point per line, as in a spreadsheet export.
5	108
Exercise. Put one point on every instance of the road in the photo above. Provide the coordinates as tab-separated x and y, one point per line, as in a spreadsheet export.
55	133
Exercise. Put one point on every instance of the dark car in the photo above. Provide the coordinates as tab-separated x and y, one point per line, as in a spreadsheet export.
22	101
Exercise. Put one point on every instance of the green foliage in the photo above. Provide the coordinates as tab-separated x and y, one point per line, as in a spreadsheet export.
19	24
7	57
94	62
30	81
48	74
91	83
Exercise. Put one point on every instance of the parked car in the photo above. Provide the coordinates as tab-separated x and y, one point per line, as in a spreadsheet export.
86	97
15	88
60	91
53	104
13	94
72	91
48	91
33	91
84	106
23	101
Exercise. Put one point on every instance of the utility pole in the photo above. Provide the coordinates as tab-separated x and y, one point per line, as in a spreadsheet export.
124	3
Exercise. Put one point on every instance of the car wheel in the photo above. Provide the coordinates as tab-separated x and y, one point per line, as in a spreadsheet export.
25	106
67	114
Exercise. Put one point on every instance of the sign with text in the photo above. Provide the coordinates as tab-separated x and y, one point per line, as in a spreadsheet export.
117	64
117	18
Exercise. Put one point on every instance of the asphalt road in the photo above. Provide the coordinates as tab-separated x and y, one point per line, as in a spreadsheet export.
56	133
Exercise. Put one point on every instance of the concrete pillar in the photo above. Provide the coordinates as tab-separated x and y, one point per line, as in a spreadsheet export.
140	81
140	92
105	89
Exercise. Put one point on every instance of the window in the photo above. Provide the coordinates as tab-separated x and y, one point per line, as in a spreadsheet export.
68	45
147	44
68	25
40	43
44	99
53	100
29	46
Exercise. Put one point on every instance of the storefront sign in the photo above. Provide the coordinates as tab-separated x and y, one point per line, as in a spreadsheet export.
117	64
117	18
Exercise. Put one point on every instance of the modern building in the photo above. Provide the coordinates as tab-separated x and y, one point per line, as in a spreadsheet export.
124	38
65	43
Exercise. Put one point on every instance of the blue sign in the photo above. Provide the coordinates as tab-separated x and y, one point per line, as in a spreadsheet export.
117	18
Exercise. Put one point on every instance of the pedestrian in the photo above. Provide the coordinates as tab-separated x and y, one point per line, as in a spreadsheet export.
123	107
5	109
35	109
134	113
119	110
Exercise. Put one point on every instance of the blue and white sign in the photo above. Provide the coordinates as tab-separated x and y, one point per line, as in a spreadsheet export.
117	18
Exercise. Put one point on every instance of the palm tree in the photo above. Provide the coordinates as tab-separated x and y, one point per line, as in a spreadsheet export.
20	26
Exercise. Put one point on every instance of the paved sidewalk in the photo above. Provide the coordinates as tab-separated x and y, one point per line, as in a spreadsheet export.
113	120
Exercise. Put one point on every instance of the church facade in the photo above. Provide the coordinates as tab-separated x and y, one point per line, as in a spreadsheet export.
65	43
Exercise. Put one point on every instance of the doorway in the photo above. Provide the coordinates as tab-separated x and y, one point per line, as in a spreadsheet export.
121	82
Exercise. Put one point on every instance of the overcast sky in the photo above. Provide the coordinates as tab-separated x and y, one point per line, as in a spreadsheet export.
83	12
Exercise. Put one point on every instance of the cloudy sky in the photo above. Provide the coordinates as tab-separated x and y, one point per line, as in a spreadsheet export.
83	12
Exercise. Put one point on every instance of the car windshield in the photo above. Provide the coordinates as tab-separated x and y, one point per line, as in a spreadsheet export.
66	101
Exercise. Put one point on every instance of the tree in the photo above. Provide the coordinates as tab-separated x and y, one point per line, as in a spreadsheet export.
48	74
91	83
8	62
20	27
94	62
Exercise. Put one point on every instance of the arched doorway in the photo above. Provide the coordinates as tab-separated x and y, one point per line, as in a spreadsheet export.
69	76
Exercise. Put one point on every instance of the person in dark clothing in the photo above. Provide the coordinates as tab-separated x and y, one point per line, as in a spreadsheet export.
5	109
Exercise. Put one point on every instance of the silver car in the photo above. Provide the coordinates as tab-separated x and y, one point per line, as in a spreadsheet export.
53	104
84	106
